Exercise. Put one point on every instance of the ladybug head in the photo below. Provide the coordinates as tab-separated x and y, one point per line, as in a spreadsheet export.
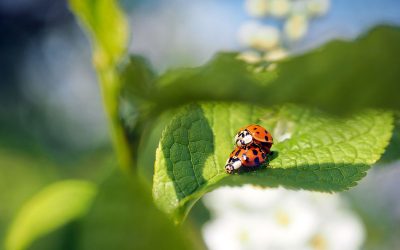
232	164
229	168
243	139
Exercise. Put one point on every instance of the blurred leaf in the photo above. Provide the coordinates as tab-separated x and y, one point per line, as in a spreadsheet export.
344	77
21	175
137	76
107	27
137	80
27	167
312	151
224	78
50	209
341	77
123	216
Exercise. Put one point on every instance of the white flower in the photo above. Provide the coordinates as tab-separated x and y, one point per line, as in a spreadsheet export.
276	55
279	8
318	7
255	35
296	27
340	231
239	200
254	218
267	37
250	56
292	221
236	233
256	8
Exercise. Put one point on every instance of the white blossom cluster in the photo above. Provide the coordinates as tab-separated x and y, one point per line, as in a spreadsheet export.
267	41
255	218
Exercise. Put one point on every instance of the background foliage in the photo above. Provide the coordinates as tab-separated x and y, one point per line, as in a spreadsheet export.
190	116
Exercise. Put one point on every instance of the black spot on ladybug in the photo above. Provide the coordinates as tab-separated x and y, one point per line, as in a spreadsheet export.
257	132
255	152
256	160
266	131
254	128
266	138
237	153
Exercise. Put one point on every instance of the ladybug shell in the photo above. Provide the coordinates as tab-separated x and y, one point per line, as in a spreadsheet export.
261	136
251	157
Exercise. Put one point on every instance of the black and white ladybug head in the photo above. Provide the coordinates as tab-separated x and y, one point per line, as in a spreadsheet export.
229	168
232	164
243	139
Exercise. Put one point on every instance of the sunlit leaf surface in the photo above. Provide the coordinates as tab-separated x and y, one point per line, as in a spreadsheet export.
312	151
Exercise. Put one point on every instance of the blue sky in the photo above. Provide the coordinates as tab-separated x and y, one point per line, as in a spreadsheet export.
350	18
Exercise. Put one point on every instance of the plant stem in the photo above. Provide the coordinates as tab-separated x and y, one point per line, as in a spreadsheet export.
110	90
108	30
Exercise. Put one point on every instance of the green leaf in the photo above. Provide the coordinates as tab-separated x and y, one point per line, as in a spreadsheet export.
123	216
224	78
137	80
26	174
48	210
107	27
340	77
344	77
137	76
312	151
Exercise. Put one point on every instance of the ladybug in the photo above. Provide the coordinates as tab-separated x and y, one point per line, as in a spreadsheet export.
252	156
254	134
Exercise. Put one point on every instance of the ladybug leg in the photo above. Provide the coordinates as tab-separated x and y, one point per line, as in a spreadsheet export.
272	155
264	154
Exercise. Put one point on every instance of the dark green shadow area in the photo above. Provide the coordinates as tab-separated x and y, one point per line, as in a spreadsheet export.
392	152
187	146
320	178
326	177
123	216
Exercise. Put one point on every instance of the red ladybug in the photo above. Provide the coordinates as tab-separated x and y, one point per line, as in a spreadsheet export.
254	135
252	156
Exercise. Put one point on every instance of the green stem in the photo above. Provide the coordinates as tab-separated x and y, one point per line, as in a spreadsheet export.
108	29
110	90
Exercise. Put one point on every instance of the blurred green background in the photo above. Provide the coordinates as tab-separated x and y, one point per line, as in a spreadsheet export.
52	125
